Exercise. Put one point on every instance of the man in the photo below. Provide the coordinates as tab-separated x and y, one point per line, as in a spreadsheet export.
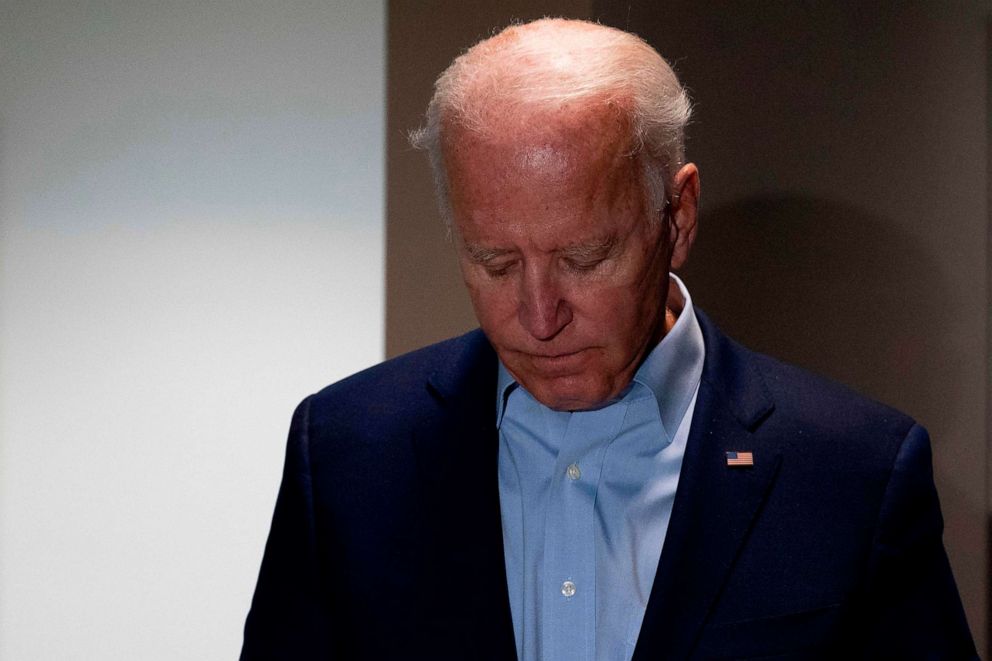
598	473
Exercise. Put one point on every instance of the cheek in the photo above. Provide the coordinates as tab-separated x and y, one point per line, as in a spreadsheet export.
495	307
607	308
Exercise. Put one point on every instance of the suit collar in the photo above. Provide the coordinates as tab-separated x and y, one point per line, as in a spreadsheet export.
732	376
457	449
466	370
715	505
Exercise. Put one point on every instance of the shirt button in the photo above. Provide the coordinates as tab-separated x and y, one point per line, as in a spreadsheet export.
568	589
573	472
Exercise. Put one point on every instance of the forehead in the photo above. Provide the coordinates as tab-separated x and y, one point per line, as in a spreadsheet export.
559	162
540	141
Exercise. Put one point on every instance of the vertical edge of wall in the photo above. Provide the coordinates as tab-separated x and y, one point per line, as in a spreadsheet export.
988	327
425	299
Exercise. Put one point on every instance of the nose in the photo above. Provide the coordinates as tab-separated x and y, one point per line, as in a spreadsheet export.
543	311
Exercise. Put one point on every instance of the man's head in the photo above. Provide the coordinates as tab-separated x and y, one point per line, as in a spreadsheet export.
558	152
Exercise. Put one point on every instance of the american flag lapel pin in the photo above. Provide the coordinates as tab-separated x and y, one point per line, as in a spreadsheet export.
740	459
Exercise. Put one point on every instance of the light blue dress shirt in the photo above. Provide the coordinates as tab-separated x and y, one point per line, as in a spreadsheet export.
586	498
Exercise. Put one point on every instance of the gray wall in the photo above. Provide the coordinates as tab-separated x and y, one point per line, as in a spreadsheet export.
191	240
843	150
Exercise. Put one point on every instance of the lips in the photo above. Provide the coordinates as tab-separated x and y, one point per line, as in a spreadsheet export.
555	355
553	364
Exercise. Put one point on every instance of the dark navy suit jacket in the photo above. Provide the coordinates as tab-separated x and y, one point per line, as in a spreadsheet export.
386	541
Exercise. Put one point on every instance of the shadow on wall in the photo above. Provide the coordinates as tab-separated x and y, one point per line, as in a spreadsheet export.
829	287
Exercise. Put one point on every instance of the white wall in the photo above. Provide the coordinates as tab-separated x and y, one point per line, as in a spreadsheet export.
191	239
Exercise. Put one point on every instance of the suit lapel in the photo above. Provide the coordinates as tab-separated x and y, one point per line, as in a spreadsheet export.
715	504
457	455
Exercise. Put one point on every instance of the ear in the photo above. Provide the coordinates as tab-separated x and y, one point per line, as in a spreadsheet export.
685	206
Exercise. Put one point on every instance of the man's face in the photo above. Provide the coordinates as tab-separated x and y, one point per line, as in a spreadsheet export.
566	266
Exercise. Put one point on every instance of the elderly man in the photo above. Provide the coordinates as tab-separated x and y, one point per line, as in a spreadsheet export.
598	473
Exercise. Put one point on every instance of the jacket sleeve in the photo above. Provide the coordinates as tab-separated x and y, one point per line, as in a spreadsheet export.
288	618
912	610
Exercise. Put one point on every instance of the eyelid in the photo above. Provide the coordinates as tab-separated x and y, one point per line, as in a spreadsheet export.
583	264
587	259
496	270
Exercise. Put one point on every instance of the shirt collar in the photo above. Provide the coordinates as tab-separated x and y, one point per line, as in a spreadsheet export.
505	384
673	368
670	372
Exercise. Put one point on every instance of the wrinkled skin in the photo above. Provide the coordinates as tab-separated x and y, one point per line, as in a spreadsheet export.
566	265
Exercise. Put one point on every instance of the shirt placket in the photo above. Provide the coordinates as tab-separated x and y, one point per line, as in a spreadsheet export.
570	543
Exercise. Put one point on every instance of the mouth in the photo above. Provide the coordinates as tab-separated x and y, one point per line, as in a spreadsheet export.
556	363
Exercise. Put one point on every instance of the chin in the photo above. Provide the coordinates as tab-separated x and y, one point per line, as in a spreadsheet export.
570	397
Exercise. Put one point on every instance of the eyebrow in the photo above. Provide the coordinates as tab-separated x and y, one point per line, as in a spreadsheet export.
483	255
590	250
579	251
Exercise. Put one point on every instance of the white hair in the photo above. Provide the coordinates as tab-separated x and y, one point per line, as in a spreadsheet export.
547	64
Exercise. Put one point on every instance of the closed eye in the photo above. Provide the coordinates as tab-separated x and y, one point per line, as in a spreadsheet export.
582	266
498	270
587	257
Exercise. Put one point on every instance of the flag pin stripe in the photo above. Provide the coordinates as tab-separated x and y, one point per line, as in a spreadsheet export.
740	459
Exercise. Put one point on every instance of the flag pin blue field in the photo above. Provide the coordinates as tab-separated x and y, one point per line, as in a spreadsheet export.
740	459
